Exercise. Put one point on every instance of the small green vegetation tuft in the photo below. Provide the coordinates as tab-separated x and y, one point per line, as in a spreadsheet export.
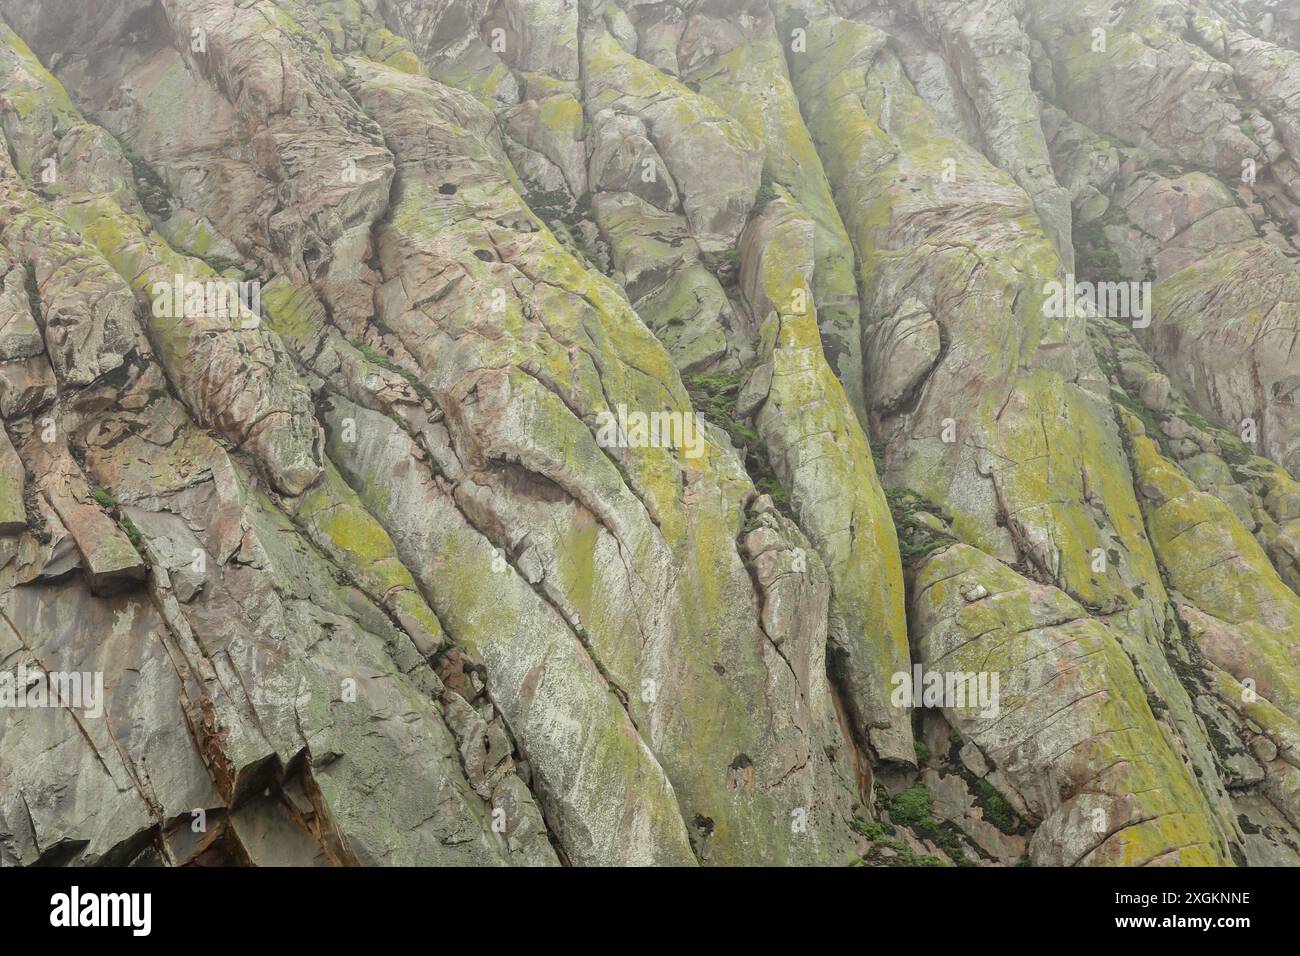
563	216
725	264
382	360
1095	258
34	296
104	499
714	396
1231	447
911	808
549	205
1149	423
996	808
766	193
149	186
873	830
882	835
878	456
916	537
556	205
222	264
133	533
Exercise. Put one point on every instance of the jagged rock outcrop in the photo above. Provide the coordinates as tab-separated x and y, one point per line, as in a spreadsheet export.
582	431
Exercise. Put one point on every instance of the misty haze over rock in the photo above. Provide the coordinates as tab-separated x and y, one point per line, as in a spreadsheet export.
591	432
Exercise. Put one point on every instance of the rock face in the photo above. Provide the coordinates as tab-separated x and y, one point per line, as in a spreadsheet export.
598	432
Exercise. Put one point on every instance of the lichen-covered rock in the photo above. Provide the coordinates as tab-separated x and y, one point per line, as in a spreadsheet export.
904	348
623	536
713	159
1245	618
987	48
1072	734
624	407
738	62
823	457
1108	56
85	310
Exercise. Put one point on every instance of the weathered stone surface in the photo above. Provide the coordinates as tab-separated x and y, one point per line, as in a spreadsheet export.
989	51
822	456
387	570
624	160
572	593
1073	733
13	513
903	349
1109	57
738	62
712	158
